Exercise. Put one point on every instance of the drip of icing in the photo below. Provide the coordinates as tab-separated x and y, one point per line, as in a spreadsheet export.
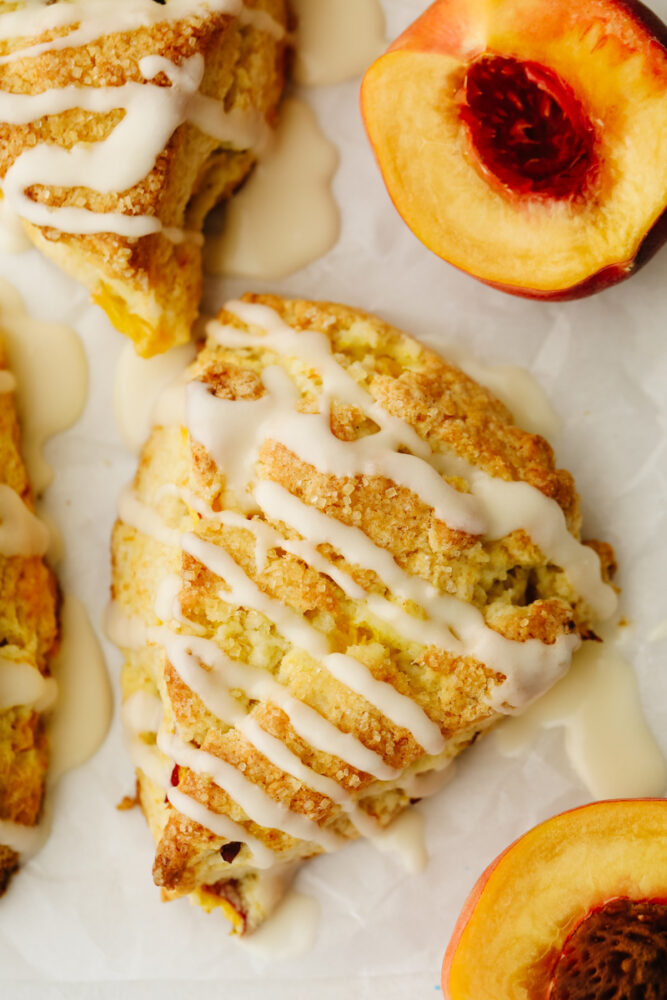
146	520
399	708
21	532
22	684
290	932
81	720
147	758
313	348
56	550
285	215
142	713
276	751
25	840
51	372
165	598
125	631
405	837
521	393
427	783
140	383
336	39
105	166
13	237
608	742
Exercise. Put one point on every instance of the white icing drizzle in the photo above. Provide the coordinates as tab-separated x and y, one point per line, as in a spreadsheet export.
257	805
21	532
512	506
108	17
124	630
222	826
147	758
187	653
21	683
139	515
166	604
142	713
276	752
244	592
142	716
452	623
213	422
152	113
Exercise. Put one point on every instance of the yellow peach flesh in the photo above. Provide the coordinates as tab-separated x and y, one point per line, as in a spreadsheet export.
528	901
409	101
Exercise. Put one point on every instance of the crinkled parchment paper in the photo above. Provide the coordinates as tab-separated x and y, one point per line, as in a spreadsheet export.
83	919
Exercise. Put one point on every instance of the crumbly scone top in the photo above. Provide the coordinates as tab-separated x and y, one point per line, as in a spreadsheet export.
369	563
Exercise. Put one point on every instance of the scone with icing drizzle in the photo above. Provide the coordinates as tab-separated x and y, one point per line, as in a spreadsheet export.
122	123
339	562
28	638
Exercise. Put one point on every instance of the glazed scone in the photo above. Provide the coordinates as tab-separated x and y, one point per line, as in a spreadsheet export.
121	125
28	640
339	562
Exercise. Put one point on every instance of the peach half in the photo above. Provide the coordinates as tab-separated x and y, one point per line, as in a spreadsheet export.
525	141
576	909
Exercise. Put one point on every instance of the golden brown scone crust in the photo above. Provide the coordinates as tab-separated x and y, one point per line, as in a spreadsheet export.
518	592
150	287
28	632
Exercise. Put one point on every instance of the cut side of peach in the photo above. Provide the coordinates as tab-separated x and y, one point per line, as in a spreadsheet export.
575	908
525	142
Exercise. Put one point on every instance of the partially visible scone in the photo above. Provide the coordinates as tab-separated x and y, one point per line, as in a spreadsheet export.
342	567
152	114
28	640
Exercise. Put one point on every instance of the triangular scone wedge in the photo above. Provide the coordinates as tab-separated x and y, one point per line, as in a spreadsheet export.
346	566
161	122
28	640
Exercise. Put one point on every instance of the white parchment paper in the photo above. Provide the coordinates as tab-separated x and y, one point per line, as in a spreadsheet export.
83	919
